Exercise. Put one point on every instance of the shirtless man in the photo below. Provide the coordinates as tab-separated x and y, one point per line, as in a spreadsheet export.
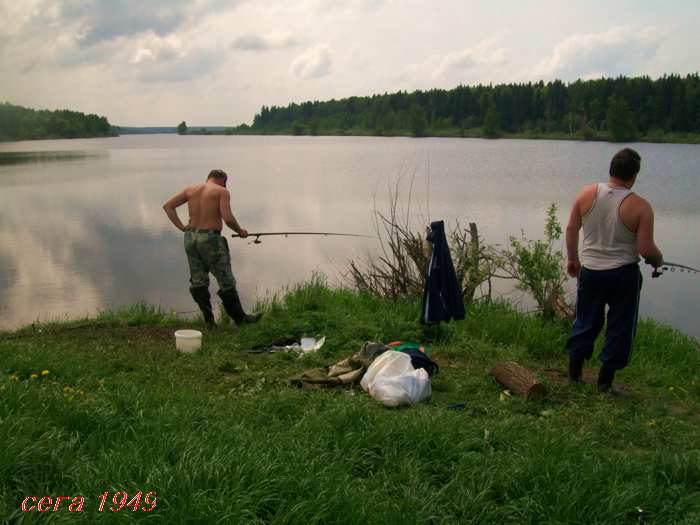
618	227
209	204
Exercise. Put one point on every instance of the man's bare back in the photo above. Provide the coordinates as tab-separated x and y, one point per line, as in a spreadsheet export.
204	206
209	205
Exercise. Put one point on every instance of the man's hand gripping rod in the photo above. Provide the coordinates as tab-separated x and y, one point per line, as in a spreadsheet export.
666	266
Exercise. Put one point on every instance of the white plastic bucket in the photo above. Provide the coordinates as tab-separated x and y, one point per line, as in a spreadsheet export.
188	341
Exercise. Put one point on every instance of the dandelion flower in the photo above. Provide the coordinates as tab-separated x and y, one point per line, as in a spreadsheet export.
44	372
33	376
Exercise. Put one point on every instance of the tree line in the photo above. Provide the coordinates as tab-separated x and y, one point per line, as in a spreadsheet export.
618	109
20	123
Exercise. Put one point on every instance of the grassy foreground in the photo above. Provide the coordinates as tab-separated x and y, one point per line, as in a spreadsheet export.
221	437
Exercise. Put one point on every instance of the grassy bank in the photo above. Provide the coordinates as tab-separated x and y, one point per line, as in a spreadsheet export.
220	436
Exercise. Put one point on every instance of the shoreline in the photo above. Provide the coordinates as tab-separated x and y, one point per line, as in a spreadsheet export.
692	139
509	136
168	316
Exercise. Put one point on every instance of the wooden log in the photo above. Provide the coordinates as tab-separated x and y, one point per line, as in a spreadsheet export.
518	380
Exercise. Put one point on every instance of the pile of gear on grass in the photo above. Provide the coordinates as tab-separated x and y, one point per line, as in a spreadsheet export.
398	373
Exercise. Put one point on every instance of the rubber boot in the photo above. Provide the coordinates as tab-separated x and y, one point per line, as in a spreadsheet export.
201	296
605	378
234	309
575	369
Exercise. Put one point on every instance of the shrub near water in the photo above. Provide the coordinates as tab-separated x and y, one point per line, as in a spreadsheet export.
221	437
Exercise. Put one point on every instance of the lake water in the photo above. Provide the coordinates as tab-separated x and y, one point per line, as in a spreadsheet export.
82	227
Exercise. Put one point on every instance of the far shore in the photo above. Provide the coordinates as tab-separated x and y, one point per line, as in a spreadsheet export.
688	138
467	134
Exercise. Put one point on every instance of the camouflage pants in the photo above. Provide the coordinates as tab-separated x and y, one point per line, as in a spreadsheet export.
207	251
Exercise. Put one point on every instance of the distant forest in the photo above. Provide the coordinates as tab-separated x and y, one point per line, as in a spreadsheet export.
619	109
20	123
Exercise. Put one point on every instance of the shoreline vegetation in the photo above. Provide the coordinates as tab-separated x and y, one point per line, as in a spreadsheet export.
108	404
620	109
474	133
20	123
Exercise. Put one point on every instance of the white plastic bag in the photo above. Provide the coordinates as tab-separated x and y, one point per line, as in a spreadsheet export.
392	380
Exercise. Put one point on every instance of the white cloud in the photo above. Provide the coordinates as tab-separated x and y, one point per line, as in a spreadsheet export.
14	15
255	42
484	54
102	20
154	48
156	59
315	62
620	50
76	32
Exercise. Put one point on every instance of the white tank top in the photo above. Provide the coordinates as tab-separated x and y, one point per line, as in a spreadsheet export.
607	242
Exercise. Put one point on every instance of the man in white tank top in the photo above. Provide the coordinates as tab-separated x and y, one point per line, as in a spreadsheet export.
618	227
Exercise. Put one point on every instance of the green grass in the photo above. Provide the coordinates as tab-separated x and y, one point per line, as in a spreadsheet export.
221	437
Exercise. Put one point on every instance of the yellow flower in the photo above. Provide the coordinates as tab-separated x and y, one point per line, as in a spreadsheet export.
44	372
33	376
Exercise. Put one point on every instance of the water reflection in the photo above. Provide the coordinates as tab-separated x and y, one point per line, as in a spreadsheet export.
80	236
24	157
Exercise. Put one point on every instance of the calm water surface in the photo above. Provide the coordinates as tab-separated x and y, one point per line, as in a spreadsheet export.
82	228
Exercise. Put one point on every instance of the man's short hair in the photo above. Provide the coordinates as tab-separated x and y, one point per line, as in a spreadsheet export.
217	174
625	164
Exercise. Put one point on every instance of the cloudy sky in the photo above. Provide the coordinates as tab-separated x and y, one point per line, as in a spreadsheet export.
216	62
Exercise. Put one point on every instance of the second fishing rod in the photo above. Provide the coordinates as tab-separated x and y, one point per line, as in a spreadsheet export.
257	235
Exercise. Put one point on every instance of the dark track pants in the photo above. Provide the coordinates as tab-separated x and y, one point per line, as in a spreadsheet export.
619	289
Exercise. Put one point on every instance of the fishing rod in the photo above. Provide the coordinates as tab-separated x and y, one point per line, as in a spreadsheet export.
669	266
286	234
